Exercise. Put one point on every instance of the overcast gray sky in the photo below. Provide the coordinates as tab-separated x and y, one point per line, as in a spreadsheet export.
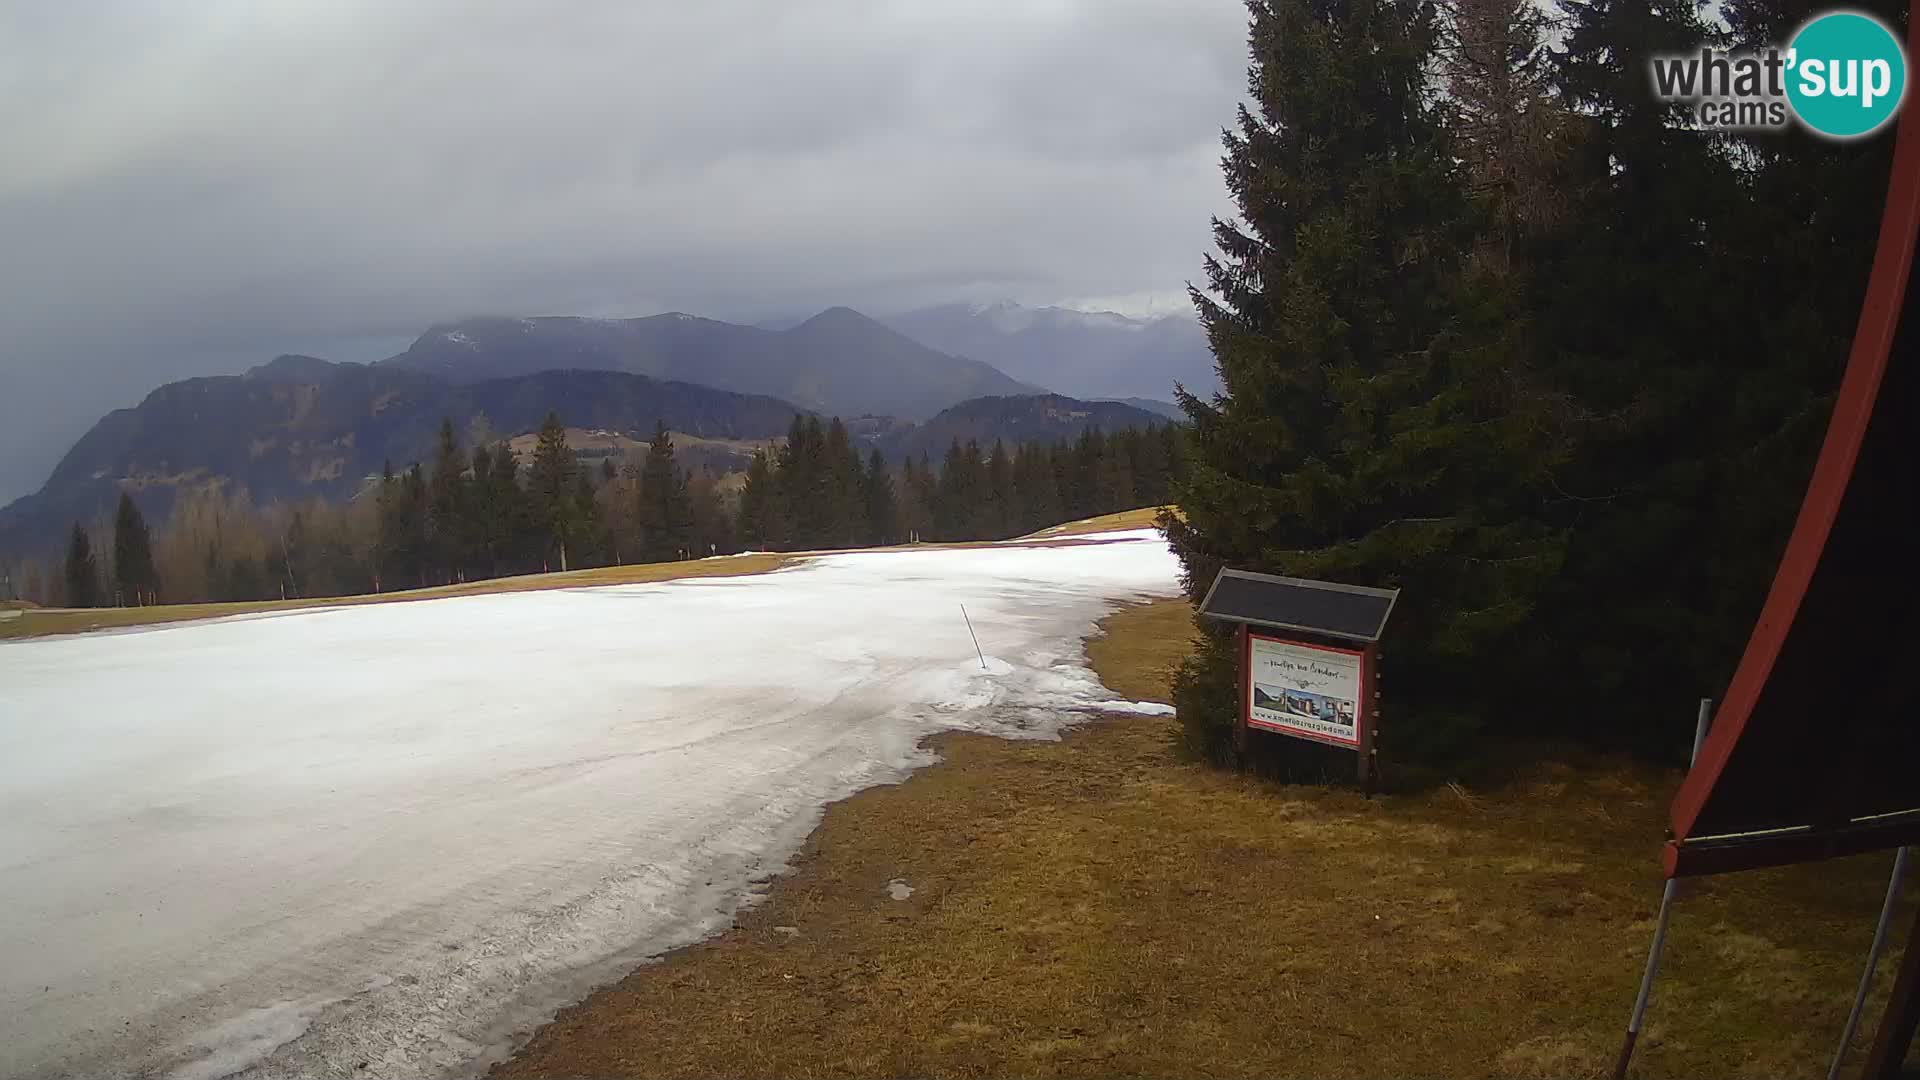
193	188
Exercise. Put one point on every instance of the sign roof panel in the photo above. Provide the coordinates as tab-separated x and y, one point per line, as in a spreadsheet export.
1353	612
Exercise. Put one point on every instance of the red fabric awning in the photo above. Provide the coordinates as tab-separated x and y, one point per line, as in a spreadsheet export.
1815	750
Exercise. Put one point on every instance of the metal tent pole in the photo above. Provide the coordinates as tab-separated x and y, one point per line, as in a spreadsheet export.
1660	927
1873	961
1901	1018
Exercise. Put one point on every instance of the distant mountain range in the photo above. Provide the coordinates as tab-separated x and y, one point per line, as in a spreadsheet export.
1094	355
838	362
302	426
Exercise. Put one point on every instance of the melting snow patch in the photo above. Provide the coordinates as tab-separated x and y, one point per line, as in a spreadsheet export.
232	1045
467	812
1137	708
1111	536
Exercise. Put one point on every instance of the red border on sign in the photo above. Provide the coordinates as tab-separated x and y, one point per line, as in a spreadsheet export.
1361	713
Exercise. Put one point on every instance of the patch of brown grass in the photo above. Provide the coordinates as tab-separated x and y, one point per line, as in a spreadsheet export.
44	621
1140	648
1097	907
39	622
1143	518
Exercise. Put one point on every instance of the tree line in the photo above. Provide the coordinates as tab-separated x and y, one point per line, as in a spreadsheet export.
1499	327
478	512
816	492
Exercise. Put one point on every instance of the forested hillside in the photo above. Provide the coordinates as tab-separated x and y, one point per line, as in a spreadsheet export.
301	428
481	510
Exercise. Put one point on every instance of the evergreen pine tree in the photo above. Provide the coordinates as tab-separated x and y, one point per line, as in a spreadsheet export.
551	492
506	518
383	544
1695	446
805	486
922	485
589	524
952	508
711	530
999	514
1037	492
1373	428
135	578
83	574
448	505
845	513
666	515
761	511
1509	129
1114	471
480	510
883	517
413	529
1147	460
1082	493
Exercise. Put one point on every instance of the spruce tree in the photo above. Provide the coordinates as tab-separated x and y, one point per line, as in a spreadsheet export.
1114	483
845	513
1374	427
135	579
806	485
413	530
761	511
1037	494
883	515
922	497
510	513
1146	459
589	523
711	530
551	492
1695	446
999	516
666	515
83	574
1511	132
449	505
953	500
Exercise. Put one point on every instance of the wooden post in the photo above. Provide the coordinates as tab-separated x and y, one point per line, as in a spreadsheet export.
1369	704
1902	1017
1244	646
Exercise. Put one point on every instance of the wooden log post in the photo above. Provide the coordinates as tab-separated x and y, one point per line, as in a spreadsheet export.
1242	647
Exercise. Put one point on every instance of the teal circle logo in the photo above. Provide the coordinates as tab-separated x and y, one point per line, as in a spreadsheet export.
1846	74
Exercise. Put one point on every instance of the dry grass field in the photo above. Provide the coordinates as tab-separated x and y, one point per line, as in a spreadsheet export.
1097	907
1142	518
41	622
36	622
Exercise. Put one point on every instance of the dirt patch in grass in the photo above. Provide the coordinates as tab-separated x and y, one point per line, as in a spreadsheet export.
1097	906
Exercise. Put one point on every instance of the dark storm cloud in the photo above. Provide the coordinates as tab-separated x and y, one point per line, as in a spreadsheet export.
192	188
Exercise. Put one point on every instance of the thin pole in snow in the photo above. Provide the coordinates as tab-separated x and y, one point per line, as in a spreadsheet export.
974	636
1660	926
1873	960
